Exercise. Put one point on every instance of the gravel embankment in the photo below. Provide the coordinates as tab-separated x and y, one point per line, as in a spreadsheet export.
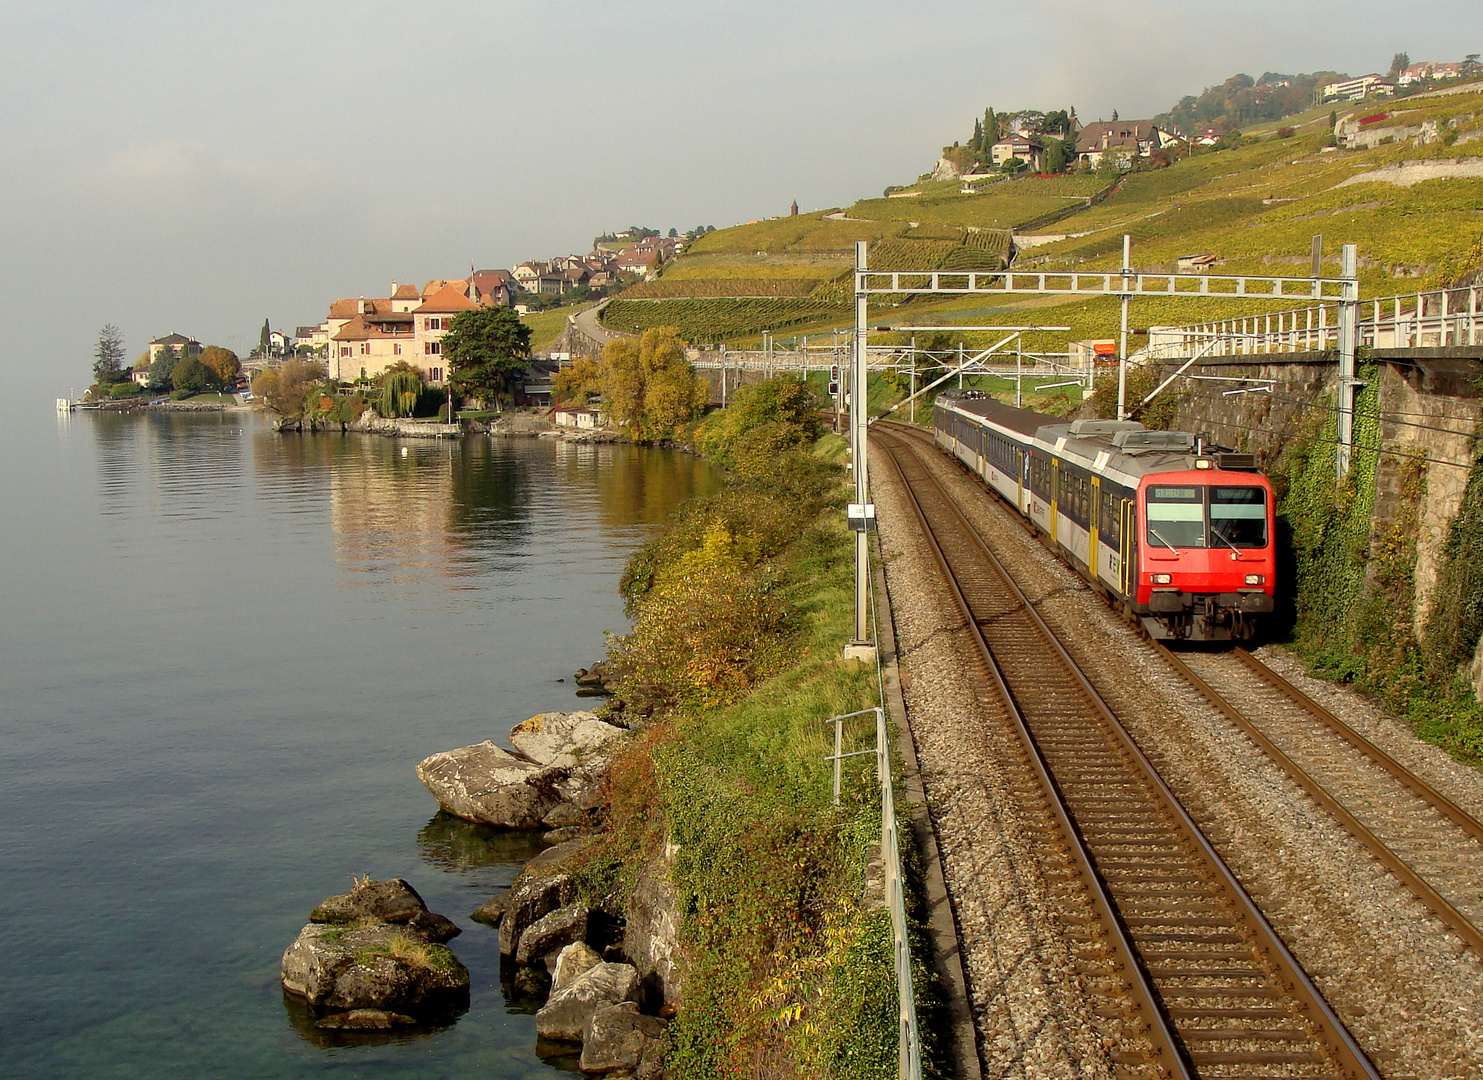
1032	1019
1409	991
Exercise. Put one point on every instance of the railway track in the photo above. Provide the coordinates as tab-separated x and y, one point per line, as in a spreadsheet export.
1193	980
1430	844
1419	835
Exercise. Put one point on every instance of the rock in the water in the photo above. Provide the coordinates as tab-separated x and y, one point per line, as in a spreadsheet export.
365	1020
487	784
552	932
529	899
385	901
564	816
563	834
565	1014
565	740
652	928
378	967
556	856
572	961
616	1036
491	911
434	927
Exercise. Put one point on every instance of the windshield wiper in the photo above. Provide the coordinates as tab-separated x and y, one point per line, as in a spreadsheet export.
1161	540
1225	540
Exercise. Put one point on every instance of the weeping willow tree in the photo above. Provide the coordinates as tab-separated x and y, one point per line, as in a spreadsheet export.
400	389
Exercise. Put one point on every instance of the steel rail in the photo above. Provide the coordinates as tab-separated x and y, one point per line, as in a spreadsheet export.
1439	904
1329	1028
1162	1037
1417	786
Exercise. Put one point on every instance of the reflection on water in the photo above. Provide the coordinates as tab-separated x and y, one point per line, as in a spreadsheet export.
450	843
305	1021
226	651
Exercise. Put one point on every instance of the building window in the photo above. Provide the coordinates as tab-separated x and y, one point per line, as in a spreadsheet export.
396	348
344	350
435	374
432	348
365	348
435	324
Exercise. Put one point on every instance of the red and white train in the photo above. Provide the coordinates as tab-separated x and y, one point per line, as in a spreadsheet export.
1180	534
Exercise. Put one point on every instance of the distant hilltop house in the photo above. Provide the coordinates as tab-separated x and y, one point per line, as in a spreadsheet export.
1017	146
182	345
367	336
1431	71
1121	139
1208	134
312	339
1357	89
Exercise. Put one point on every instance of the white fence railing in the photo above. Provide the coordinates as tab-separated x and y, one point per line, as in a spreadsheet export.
1432	319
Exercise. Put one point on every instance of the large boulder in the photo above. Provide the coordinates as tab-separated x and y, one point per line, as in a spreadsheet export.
383	966
528	900
566	740
392	900
487	784
556	856
616	1037
565	1015
651	933
573	961
551	933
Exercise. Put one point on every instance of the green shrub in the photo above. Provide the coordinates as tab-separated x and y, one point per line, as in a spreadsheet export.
735	437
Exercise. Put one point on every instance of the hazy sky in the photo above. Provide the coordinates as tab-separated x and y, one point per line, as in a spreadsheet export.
201	166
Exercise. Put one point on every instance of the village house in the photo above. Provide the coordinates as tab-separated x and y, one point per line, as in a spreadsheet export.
183	346
1122	139
527	274
1430	70
498	287
637	260
1208	134
1357	89
575	416
1016	146
367	336
313	339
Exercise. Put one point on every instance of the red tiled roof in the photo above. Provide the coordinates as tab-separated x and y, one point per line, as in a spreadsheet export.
448	298
361	329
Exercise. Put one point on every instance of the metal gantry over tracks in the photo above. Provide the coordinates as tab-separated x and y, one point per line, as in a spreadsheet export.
1156	920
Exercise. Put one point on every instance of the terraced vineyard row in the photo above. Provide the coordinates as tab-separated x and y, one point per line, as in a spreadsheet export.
666	289
717	319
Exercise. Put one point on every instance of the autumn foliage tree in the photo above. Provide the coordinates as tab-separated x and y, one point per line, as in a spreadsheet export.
285	388
648	387
222	362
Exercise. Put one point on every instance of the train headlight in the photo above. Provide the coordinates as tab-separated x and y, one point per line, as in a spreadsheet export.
1161	579
1204	463
1256	579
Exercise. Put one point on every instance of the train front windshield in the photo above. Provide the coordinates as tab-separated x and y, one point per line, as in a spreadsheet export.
1196	516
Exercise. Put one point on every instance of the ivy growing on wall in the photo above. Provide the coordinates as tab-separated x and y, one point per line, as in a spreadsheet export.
1354	580
1329	523
1456	619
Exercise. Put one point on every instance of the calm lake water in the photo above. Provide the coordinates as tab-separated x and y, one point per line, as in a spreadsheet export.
222	652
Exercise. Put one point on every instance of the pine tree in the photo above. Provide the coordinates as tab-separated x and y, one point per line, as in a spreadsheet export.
978	136
108	357
264	339
991	127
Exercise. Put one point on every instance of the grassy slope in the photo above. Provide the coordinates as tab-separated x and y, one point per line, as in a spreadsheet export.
546	326
1256	207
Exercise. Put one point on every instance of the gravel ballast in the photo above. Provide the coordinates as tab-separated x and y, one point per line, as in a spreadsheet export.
1406	987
